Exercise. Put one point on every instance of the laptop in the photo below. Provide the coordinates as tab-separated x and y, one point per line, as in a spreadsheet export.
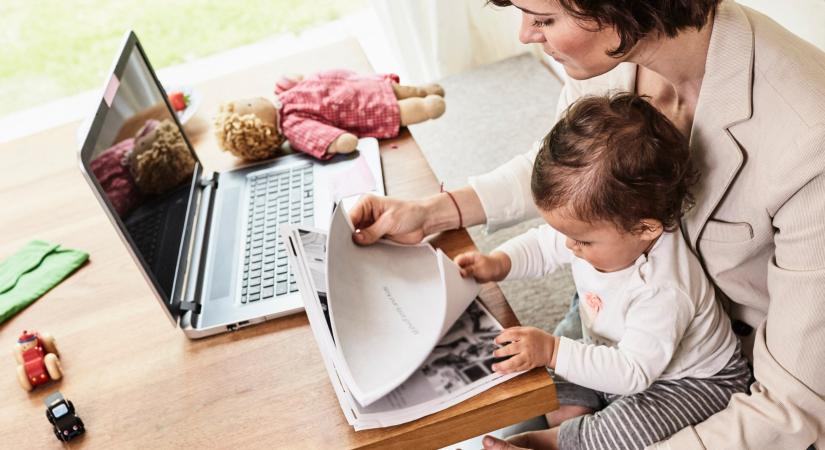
207	243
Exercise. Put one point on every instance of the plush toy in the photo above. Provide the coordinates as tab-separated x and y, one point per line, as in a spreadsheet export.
154	161
36	356
324	114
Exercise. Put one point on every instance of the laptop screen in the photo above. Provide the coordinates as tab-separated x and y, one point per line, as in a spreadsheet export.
141	165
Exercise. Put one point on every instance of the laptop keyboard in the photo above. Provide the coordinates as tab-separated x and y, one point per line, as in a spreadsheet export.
146	232
275	197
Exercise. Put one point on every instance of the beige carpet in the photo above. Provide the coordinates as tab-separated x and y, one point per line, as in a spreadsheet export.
494	113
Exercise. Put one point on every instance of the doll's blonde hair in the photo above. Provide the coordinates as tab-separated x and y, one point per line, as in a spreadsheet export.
165	164
246	136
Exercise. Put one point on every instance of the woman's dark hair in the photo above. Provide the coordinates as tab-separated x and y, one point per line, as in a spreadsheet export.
635	19
616	159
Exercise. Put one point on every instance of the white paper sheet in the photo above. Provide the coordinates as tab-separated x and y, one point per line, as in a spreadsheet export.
458	368
389	306
459	291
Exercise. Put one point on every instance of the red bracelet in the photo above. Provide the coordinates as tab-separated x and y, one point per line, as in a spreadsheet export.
460	219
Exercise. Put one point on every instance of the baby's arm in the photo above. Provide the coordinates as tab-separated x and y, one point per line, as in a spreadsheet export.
654	326
484	268
535	253
527	347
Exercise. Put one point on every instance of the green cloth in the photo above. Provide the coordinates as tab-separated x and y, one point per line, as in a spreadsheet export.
32	271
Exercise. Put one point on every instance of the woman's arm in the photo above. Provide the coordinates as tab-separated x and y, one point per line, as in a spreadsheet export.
443	214
409	221
499	198
535	253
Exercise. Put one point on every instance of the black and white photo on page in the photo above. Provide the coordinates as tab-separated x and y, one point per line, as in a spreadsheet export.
457	369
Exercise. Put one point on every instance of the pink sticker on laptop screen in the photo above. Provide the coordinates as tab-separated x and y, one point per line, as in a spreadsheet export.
355	179
111	90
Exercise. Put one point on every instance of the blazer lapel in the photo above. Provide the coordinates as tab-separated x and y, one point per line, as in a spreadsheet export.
724	100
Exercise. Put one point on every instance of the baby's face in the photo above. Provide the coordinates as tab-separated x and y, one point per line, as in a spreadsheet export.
602	244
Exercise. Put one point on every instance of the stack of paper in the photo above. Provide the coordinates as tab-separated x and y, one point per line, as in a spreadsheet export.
401	334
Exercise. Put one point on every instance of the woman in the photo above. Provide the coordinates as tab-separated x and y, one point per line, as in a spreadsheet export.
751	97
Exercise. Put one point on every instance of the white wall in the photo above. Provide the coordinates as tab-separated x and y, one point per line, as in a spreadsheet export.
433	39
806	18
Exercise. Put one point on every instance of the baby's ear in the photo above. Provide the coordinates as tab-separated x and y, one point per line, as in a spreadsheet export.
649	229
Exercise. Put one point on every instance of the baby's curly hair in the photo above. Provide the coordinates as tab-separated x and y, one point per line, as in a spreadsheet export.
616	159
161	161
246	136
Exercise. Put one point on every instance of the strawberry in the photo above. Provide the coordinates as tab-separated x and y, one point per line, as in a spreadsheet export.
178	100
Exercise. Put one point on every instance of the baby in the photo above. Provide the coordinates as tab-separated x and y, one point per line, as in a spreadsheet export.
611	180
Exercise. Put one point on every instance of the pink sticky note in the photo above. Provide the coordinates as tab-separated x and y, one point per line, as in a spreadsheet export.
355	179
111	90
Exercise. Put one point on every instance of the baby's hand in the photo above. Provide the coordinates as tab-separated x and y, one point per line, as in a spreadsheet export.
484	268
527	347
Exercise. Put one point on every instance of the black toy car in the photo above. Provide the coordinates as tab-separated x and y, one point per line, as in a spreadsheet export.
60	413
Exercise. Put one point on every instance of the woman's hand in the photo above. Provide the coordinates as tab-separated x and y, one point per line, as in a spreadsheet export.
527	347
376	217
409	221
484	268
494	443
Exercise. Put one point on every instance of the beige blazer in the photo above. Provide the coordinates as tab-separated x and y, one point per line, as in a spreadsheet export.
759	221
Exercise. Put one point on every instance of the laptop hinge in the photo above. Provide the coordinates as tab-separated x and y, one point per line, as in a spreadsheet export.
204	189
209	179
193	307
209	185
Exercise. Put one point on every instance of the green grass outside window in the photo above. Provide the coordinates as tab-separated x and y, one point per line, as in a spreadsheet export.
53	49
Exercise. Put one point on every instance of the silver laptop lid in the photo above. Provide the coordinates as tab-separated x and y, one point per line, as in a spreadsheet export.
143	172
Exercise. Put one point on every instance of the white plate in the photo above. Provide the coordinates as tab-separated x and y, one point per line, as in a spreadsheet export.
194	102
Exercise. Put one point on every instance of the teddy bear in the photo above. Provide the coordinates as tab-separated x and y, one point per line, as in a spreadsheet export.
37	361
324	114
152	162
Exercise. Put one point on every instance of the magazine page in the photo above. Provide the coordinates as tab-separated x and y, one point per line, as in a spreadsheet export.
458	368
307	256
388	306
459	291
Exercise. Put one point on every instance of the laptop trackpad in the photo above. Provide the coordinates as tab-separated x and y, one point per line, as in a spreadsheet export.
224	238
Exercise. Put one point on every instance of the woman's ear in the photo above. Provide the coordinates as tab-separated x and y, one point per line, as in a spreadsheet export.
649	229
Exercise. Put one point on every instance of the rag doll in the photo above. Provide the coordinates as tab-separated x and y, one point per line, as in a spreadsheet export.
153	162
324	114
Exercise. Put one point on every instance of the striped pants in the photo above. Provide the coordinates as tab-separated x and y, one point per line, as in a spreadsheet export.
638	420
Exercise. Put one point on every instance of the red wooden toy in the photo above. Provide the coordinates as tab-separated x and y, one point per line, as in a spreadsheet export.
37	359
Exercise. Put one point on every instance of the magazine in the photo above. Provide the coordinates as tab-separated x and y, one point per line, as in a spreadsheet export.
401	333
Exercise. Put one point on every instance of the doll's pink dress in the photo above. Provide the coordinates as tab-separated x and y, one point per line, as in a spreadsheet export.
318	109
112	172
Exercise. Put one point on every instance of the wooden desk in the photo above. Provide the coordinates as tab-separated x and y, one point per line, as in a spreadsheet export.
137	382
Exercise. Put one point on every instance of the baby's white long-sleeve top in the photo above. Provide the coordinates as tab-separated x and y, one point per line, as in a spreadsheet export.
657	319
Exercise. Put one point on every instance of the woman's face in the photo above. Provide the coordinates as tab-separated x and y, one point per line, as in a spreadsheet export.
579	46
